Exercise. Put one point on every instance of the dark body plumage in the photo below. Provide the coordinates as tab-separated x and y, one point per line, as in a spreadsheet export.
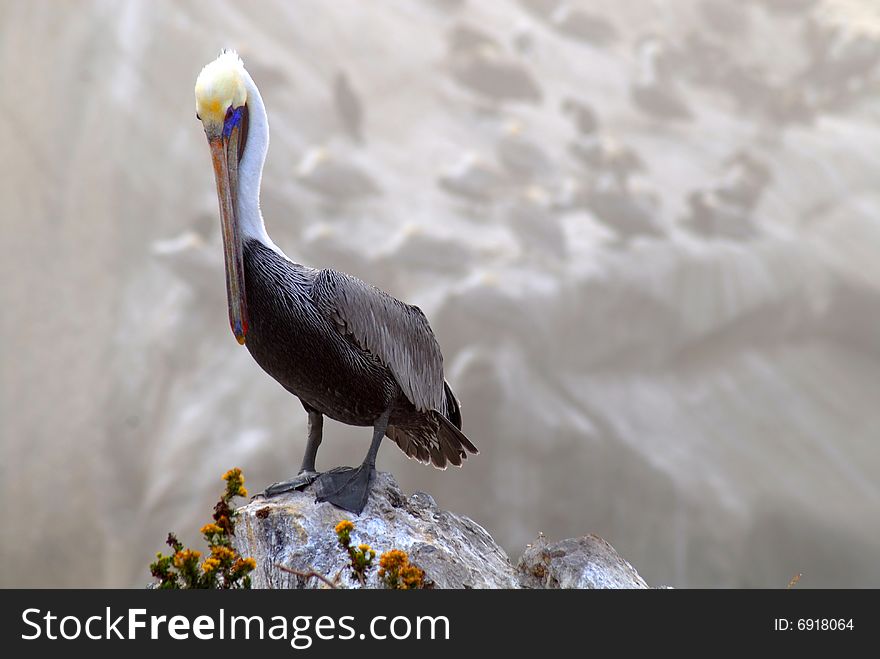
352	352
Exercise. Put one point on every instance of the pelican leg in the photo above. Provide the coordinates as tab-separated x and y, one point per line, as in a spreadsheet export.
307	472
349	487
316	433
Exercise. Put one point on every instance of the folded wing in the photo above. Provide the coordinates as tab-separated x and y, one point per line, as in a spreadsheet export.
398	334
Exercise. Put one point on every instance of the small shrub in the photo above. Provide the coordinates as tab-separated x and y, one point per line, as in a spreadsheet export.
361	557
223	568
395	570
397	573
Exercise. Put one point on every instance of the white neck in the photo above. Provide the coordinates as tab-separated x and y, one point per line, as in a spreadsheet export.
250	169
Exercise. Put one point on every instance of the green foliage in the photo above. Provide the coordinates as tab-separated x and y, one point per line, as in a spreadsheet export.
223	568
361	557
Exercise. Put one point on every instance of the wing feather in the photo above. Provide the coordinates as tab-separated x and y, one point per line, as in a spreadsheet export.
398	334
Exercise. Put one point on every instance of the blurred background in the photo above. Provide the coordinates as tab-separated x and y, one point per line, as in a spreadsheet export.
645	233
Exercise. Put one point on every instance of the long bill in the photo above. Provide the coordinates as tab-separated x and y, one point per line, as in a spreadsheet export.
226	174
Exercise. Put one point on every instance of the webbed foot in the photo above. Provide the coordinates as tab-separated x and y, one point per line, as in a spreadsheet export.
346	487
300	482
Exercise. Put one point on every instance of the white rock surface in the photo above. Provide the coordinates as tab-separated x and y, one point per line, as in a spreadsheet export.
587	562
294	531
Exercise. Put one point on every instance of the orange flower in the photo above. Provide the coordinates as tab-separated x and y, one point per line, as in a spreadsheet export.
393	560
398	573
210	565
184	556
245	565
234	473
222	553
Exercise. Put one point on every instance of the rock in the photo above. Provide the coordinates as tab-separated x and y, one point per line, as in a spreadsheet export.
587	562
294	531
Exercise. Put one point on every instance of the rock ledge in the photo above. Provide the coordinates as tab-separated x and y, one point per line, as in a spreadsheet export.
454	551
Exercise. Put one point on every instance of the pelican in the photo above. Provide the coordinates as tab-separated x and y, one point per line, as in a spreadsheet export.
347	350
486	70
582	116
583	26
655	91
349	107
523	158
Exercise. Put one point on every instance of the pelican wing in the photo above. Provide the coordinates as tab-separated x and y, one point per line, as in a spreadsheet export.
397	334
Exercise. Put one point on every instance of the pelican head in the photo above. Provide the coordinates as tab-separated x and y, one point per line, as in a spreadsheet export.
220	92
221	106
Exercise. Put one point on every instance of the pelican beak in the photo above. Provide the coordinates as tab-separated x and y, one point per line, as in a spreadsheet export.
224	153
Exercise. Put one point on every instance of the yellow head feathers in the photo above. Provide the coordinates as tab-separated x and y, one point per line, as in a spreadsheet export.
219	86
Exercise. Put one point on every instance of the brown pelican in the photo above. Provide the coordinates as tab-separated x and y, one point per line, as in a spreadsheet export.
479	63
349	107
334	180
346	349
726	209
727	19
583	26
473	179
799	7
464	39
582	115
743	180
523	158
540	9
539	232
654	91
710	216
523	37
630	211
604	153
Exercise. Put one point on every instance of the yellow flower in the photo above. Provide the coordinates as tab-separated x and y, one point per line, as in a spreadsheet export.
184	556
233	473
397	572
393	560
222	553
242	492
411	576
210	565
365	548
344	526
245	564
210	528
